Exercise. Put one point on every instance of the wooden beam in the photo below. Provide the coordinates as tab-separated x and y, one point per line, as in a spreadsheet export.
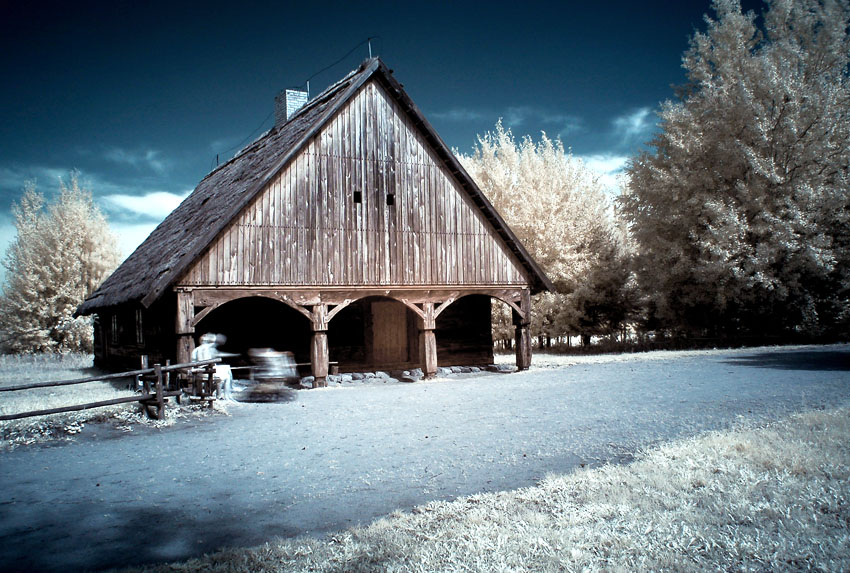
428	352
429	319
521	333
200	316
287	300
523	347
413	307
445	304
338	308
183	327
428	340
309	296
185	312
215	297
517	309
319	317
319	357
89	406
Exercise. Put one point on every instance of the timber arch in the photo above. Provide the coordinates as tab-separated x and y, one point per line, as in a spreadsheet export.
320	306
257	322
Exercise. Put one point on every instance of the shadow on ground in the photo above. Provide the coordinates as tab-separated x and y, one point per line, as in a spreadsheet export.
828	360
146	536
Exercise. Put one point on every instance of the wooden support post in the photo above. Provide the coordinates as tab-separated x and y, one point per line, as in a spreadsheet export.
523	347
204	381
428	341
522	335
319	357
209	389
143	364
160	401
428	352
183	326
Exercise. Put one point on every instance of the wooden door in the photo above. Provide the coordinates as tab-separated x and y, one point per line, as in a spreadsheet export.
389	332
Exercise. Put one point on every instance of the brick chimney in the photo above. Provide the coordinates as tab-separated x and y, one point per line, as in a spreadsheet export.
286	103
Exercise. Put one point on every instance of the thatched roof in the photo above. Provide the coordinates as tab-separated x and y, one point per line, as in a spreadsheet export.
183	236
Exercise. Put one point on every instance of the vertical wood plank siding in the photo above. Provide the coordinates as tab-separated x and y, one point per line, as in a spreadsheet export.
306	229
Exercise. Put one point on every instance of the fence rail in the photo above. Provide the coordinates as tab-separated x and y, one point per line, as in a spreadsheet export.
155	395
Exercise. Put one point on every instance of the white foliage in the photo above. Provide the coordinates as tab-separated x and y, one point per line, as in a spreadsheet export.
741	213
558	209
552	202
63	251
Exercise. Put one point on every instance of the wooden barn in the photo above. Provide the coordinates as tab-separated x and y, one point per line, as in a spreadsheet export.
348	233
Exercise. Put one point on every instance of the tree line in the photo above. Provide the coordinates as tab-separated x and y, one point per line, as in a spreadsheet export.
733	224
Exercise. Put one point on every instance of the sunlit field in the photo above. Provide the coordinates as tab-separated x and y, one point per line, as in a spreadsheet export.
24	369
771	498
16	370
543	359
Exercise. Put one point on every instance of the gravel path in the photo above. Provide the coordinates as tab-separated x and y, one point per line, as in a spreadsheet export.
341	456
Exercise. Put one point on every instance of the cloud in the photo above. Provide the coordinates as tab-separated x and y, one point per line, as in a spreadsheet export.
609	167
216	145
149	159
14	178
154	205
460	115
540	119
606	162
132	198
517	115
636	126
559	124
133	210
131	235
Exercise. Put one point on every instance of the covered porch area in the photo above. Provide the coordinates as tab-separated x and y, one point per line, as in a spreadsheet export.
366	328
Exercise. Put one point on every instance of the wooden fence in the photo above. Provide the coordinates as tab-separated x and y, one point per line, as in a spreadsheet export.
156	387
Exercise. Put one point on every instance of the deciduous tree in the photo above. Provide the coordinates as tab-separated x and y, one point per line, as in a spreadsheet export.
741	209
558	209
62	252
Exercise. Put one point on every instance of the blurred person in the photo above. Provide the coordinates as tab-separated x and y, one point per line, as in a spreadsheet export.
207	350
273	370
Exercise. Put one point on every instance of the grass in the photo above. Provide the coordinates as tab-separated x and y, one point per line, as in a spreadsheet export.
22	369
551	359
769	498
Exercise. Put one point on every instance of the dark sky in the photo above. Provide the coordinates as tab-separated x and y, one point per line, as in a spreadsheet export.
141	96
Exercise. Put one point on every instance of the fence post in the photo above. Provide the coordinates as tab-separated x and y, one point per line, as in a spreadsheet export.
160	402
211	383
155	398
143	359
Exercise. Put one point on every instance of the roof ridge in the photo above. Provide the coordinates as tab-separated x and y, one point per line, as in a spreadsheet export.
190	229
322	95
328	90
266	173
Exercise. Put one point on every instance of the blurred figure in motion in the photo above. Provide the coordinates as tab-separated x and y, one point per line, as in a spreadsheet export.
207	350
273	371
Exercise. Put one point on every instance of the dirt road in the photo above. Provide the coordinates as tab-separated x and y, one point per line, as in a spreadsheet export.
336	457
